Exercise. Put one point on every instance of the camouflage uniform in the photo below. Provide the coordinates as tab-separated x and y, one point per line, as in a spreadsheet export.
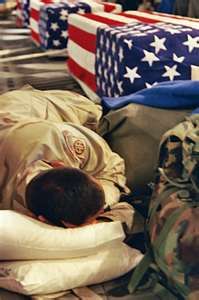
173	222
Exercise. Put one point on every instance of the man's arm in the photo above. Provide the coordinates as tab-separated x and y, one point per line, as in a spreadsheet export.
52	105
106	166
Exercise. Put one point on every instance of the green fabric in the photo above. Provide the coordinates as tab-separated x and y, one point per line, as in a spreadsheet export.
148	259
139	272
160	198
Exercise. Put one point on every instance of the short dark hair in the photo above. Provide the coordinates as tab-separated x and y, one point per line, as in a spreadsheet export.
64	194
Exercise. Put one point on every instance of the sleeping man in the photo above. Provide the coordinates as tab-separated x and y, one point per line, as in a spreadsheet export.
53	164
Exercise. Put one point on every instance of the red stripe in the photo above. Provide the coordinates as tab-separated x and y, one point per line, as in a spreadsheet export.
84	39
34	14
19	22
103	19
139	18
82	74
47	1
108	7
35	37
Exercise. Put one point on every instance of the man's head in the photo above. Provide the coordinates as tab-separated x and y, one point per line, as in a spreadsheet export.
65	196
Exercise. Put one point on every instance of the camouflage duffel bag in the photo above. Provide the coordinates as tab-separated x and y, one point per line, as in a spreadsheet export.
172	226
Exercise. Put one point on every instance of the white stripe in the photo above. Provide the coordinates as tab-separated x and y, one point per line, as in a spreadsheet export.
116	17
35	4
183	22
34	25
82	57
91	26
85	24
176	16
194	73
94	6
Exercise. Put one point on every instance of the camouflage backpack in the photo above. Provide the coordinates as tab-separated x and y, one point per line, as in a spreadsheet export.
172	226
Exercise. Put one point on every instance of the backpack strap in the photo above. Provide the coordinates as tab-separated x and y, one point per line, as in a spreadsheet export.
139	272
191	154
150	257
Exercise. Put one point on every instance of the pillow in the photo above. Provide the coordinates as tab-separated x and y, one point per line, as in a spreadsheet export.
51	276
22	238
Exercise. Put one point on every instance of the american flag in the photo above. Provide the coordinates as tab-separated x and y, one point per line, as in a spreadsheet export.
53	23
35	6
106	61
22	11
136	56
18	13
49	19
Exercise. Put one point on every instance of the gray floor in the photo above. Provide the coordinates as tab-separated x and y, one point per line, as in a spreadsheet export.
21	62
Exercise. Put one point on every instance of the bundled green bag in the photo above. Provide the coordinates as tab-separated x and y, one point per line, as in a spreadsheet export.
172	226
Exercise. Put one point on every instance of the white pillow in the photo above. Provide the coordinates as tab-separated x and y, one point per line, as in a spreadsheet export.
22	238
51	276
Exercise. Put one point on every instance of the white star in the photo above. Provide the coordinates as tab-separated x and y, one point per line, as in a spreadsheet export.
112	80
103	86
149	85
106	74
134	32
113	47
179	59
146	27
152	31
103	57
116	68
141	34
109	62
98	81
54	26
186	29
113	31
132	74
109	91
149	57
107	44
119	86
119	35
172	30
191	42
120	54
64	34
158	44
171	72
71	5
81	11
101	41
100	69
64	14
98	53
107	29
129	43
56	43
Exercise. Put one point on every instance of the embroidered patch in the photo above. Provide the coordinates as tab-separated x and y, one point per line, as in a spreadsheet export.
79	147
